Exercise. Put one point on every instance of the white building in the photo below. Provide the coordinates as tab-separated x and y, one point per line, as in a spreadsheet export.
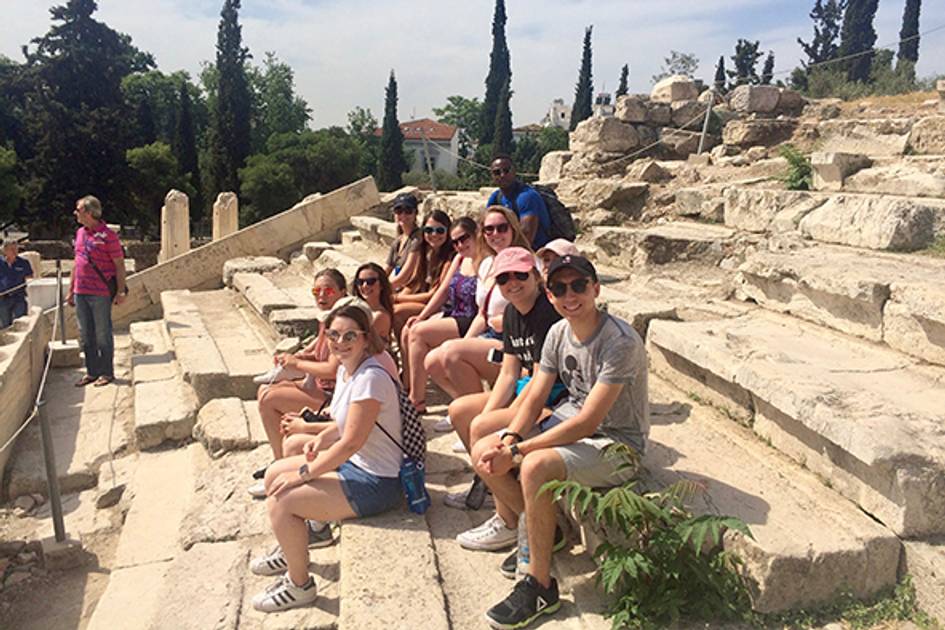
442	142
559	115
603	106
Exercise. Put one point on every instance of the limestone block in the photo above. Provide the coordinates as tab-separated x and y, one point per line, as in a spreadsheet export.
674	88
647	171
131	597
614	194
226	215
754	99
66	354
222	427
914	316
688	114
603	134
552	165
594	164
175	226
887	137
682	143
264	296
758	210
35	260
164	411
790	101
748	133
924	562
873	222
707	97
913	179
831	169
314	249
631	109
298	322
216	572
648	135
928	136
250	264
658	114
689	200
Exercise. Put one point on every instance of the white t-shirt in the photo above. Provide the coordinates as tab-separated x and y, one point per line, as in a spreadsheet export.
497	303
379	455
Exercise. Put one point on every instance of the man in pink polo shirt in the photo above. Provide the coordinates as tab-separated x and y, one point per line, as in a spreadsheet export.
98	280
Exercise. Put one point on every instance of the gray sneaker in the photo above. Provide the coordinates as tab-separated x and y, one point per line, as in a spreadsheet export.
318	538
476	497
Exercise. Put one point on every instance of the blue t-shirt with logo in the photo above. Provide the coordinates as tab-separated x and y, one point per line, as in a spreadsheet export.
14	275
528	203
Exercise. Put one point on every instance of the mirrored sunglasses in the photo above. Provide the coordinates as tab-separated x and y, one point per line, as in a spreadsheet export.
434	229
347	336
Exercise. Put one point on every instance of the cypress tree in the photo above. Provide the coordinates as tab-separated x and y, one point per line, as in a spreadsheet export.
502	140
767	72
858	36
500	73
144	122
185	148
827	17
391	162
720	75
745	59
583	92
909	35
623	87
230	131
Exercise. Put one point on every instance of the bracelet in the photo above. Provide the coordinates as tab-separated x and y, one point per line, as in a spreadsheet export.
303	471
518	437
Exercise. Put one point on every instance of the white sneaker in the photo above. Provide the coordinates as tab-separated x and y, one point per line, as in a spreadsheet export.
273	563
444	425
492	535
459	447
283	594
258	489
278	373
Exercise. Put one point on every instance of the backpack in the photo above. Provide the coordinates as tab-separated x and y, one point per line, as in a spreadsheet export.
561	223
413	439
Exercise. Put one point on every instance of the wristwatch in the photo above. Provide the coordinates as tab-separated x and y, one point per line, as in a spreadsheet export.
303	471
505	434
517	455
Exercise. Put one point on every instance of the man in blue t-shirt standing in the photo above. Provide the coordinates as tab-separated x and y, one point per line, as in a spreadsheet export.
14	272
522	199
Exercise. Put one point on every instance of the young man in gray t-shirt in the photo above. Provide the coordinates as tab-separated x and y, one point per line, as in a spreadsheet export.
602	361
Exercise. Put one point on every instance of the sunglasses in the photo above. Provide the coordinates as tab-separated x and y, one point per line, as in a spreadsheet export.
461	239
326	291
371	281
503	278
559	289
434	229
497	172
403	210
500	228
346	337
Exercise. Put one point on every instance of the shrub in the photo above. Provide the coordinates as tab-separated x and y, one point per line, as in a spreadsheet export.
798	175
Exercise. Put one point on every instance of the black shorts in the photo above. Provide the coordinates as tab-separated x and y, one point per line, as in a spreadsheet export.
463	322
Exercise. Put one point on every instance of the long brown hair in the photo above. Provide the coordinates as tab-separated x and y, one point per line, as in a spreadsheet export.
362	320
484	250
387	293
432	261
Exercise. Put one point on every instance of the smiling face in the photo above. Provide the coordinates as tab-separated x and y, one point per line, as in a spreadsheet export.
571	304
434	233
493	226
345	339
406	218
368	284
326	293
517	290
463	242
503	173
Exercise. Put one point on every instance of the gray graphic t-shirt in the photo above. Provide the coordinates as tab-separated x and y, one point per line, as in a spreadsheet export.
615	355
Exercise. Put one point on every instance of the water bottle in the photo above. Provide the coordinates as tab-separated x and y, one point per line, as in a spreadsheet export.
522	557
413	480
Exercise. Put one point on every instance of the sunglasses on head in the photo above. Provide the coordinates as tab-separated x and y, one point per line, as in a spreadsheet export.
346	337
404	210
434	229
369	281
559	289
500	228
502	170
317	291
459	240
503	278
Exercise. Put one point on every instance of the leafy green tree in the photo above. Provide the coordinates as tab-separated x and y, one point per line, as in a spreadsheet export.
745	59
465	113
767	72
682	63
624	85
185	152
230	131
391	162
530	150
362	126
584	91
268	187
278	108
908	54
78	123
162	91
720	75
145	132
11	194
500	73
154	172
502	142
857	37
827	17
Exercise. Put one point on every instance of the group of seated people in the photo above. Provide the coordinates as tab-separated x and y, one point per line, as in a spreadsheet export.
541	381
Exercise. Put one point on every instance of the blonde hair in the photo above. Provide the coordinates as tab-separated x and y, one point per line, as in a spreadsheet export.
92	205
483	249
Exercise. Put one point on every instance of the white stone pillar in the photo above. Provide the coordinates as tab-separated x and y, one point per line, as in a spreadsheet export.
175	226
940	86
226	215
34	259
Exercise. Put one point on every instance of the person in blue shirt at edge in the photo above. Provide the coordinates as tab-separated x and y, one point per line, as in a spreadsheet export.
14	272
521	199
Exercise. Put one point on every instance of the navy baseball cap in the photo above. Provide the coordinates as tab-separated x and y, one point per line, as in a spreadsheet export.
579	264
405	200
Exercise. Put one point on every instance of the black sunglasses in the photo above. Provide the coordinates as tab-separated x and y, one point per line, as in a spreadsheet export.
501	171
405	210
559	289
366	281
503	278
434	229
501	228
461	239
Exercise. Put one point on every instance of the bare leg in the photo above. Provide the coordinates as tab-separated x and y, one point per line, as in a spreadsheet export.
507	491
461	365
423	337
539	467
404	311
280	398
463	410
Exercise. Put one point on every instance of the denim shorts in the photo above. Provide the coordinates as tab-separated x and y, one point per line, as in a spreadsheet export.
491	333
367	493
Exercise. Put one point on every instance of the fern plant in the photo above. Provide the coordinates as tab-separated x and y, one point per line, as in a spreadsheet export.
799	175
659	562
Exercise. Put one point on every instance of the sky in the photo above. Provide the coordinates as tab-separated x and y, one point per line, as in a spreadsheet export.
343	50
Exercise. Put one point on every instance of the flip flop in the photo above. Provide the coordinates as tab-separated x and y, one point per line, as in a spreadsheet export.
85	380
102	381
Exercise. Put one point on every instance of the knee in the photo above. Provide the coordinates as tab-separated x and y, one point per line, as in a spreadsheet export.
477	429
433	361
538	468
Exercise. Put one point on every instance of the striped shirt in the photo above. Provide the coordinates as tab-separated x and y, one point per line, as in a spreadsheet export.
102	246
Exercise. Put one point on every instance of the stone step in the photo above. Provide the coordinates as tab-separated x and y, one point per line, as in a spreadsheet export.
634	247
218	347
229	424
891	298
350	237
864	418
375	230
925	563
809	542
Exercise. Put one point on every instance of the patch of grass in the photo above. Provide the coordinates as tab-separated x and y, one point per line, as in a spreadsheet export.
937	248
895	604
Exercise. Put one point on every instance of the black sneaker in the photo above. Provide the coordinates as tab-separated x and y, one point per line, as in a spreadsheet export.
318	538
508	566
526	603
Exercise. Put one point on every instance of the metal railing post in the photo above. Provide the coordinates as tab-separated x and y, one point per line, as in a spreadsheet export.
705	123
60	311
52	479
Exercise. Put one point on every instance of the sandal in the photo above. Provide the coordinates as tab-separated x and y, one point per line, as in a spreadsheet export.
102	381
85	380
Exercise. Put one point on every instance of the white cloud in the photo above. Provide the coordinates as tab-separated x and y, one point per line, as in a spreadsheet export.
342	51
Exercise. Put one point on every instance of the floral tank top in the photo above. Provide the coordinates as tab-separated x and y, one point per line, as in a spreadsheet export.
461	300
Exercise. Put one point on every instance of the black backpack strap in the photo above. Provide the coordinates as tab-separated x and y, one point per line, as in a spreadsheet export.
378	424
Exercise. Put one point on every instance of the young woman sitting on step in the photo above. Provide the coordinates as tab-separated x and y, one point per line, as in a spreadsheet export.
371	285
447	315
404	254
351	473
